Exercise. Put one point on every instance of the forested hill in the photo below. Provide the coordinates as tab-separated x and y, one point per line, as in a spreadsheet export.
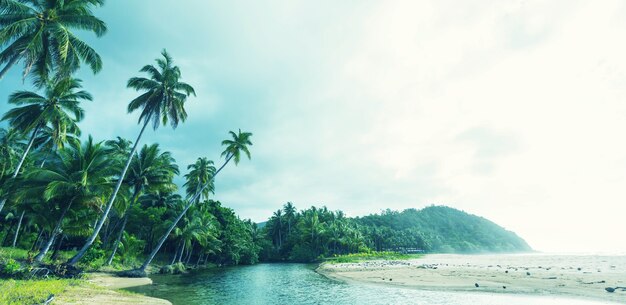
448	230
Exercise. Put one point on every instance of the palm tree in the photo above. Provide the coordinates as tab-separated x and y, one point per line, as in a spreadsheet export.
239	143
39	33
151	169
164	100
290	215
11	147
59	106
200	173
277	218
77	175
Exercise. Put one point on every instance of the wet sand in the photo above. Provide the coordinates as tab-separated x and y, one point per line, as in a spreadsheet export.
579	276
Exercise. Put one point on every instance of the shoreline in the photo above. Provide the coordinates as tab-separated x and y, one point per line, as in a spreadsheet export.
531	274
104	289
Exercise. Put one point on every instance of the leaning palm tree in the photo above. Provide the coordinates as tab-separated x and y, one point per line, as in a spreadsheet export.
75	176
39	33
239	143
163	101
150	170
200	173
60	105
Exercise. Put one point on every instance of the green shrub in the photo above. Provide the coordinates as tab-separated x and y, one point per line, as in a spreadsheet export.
94	258
12	267
302	254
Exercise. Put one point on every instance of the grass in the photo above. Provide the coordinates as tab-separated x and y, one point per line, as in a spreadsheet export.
18	292
22	255
368	256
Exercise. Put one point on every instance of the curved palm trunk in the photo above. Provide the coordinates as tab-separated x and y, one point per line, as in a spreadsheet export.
180	255
55	254
189	254
94	235
32	248
53	234
171	228
117	240
17	231
10	64
121	233
176	253
19	165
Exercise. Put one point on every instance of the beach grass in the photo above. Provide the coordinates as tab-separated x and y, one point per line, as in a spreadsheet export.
373	255
18	292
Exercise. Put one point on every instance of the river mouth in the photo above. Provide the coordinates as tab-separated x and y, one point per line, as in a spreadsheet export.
300	284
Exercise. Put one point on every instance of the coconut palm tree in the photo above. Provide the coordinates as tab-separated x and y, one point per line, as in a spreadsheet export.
150	170
200	173
40	33
290	215
59	106
163	101
239	143
11	147
75	176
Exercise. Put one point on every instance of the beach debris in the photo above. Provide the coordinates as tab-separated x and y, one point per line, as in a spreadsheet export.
503	287
476	285
527	273
579	268
598	282
49	300
390	280
506	271
611	289
550	278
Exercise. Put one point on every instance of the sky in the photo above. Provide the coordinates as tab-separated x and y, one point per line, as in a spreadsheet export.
511	110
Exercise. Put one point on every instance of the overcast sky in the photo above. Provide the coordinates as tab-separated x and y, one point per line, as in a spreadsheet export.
512	110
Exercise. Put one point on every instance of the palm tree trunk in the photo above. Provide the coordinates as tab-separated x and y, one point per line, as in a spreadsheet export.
53	234
94	235
117	240
180	255
4	240
171	228
10	64
36	240
176	253
119	236
17	231
198	261
45	248
189	254
19	165
55	254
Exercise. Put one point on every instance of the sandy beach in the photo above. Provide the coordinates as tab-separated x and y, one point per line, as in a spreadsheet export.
537	274
104	292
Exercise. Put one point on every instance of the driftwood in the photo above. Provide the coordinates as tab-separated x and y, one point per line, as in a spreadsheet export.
50	298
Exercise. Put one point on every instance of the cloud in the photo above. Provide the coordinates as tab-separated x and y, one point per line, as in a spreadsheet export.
511	110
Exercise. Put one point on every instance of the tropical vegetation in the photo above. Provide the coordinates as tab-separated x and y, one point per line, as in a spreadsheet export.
70	202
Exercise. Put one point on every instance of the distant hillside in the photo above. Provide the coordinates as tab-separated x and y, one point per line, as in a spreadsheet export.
448	230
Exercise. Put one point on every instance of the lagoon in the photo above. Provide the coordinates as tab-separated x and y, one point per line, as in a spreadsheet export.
300	284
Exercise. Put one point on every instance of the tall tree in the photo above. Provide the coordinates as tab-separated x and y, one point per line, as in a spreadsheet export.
40	33
60	106
150	170
290	215
163	101
76	176
199	174
234	148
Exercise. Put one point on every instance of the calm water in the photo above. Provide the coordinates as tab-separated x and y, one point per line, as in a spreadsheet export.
299	284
